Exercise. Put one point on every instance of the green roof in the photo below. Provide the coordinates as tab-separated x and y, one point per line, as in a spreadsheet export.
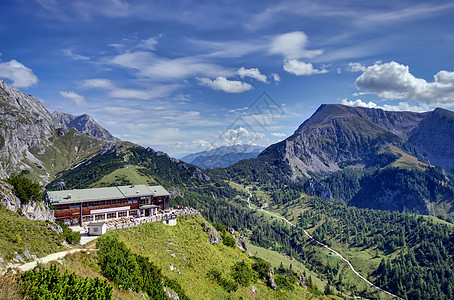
105	193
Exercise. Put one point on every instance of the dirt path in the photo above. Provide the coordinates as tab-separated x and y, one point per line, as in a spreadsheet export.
338	254
249	198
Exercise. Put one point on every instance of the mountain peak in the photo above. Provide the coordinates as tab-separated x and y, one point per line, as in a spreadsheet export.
84	123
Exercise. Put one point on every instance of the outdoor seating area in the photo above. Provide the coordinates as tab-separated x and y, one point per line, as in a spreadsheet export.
125	222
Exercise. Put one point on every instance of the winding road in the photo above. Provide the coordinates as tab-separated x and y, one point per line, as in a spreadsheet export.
338	254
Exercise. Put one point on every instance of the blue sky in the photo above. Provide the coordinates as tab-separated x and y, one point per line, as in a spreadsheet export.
184	76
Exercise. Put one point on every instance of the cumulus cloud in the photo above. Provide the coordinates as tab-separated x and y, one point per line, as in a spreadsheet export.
394	81
276	77
402	106
300	68
98	83
20	75
253	73
223	84
239	136
356	67
74	97
292	45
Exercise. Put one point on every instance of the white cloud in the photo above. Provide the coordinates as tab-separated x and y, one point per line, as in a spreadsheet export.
98	83
292	46
76	98
238	136
300	68
356	67
278	134
276	77
223	84
157	68
149	44
69	53
253	73
402	106
20	75
394	81
154	93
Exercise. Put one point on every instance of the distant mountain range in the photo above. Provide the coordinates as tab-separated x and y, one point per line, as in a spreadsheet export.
223	156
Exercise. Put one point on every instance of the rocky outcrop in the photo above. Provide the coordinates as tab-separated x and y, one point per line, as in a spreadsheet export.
7	196
214	236
32	210
240	241
271	282
199	174
314	188
37	211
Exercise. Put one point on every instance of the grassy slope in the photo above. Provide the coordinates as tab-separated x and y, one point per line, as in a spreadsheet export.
19	234
128	174
185	248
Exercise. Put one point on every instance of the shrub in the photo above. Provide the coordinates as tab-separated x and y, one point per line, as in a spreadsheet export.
242	273
71	237
25	189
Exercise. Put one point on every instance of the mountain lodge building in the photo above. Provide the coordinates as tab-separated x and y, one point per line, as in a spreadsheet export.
88	205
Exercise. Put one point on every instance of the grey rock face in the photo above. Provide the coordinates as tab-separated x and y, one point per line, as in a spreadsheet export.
336	136
315	188
24	123
7	196
214	236
37	211
271	282
83	123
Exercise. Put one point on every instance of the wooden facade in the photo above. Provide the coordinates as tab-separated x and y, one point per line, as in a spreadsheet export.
75	206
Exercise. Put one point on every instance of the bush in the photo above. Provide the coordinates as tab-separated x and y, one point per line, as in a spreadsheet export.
71	237
228	240
262	267
25	189
132	271
242	273
41	283
227	284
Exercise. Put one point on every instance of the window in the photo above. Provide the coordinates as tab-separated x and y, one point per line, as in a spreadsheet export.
111	215
135	200
129	200
95	229
87	218
74	206
90	204
108	202
84	204
99	217
122	214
